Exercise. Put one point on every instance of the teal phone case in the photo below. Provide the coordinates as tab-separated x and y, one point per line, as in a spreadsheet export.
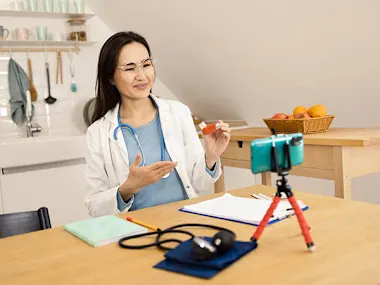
261	152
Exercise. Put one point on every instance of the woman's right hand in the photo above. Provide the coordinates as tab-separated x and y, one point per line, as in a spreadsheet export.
141	176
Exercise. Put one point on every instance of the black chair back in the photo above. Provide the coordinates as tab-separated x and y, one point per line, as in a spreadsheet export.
24	222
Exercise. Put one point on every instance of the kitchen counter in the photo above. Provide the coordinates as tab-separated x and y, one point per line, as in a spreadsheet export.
44	171
41	149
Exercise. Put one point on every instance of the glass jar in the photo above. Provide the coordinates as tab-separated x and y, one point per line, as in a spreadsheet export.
77	30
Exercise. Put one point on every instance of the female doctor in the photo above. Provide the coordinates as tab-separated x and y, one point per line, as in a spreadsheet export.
143	151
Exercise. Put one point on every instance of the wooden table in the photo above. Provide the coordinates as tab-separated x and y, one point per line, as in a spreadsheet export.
339	155
346	234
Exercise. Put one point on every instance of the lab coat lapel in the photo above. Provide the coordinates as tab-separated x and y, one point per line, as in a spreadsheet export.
120	142
169	132
167	128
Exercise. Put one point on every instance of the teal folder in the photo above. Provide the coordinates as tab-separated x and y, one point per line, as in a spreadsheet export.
103	230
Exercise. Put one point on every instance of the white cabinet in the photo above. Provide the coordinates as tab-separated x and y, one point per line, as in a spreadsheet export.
58	186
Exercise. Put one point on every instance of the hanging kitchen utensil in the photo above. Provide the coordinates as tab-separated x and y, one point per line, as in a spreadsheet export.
73	83
59	68
49	99
33	91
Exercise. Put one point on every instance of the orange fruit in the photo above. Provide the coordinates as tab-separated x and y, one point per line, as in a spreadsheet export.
306	116
302	116
317	111
290	117
280	116
299	110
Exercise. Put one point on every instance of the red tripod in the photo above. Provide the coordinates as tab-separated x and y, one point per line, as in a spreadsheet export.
283	187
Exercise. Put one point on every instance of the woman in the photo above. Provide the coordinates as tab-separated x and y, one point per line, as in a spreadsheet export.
143	151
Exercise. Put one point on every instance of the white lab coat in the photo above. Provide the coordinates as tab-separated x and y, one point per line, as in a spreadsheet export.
108	163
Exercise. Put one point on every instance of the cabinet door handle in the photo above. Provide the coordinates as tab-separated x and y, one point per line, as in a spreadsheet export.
240	144
40	166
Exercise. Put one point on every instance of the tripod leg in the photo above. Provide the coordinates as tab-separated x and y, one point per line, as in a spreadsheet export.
303	224
266	218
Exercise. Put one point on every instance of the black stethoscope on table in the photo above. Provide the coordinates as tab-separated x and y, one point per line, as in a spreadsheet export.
221	242
133	131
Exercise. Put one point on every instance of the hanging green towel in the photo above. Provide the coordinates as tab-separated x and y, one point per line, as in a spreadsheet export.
18	83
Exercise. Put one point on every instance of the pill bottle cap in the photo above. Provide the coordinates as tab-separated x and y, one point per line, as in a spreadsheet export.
202	125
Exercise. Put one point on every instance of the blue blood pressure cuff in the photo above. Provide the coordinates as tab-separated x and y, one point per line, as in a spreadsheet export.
182	259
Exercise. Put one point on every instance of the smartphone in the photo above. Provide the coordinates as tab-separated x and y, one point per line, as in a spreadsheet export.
261	152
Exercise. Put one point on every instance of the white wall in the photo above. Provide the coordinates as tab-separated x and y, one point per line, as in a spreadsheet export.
65	115
249	59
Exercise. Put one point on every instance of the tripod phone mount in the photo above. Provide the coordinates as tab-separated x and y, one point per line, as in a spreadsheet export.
283	187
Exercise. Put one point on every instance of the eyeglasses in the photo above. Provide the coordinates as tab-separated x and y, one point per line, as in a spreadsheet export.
147	67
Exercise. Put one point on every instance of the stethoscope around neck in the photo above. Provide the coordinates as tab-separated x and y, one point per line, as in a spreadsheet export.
133	131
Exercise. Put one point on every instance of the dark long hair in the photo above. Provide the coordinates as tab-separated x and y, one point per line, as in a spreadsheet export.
107	95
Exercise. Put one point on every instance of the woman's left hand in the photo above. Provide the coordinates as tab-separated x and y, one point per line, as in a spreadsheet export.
216	143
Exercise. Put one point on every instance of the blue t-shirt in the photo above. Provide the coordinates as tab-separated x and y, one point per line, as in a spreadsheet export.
166	190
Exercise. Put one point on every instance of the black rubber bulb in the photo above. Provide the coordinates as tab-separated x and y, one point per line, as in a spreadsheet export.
223	241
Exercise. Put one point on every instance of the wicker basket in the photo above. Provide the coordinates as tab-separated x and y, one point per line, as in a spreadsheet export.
305	126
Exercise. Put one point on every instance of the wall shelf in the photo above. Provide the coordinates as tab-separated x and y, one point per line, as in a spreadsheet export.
41	44
43	15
